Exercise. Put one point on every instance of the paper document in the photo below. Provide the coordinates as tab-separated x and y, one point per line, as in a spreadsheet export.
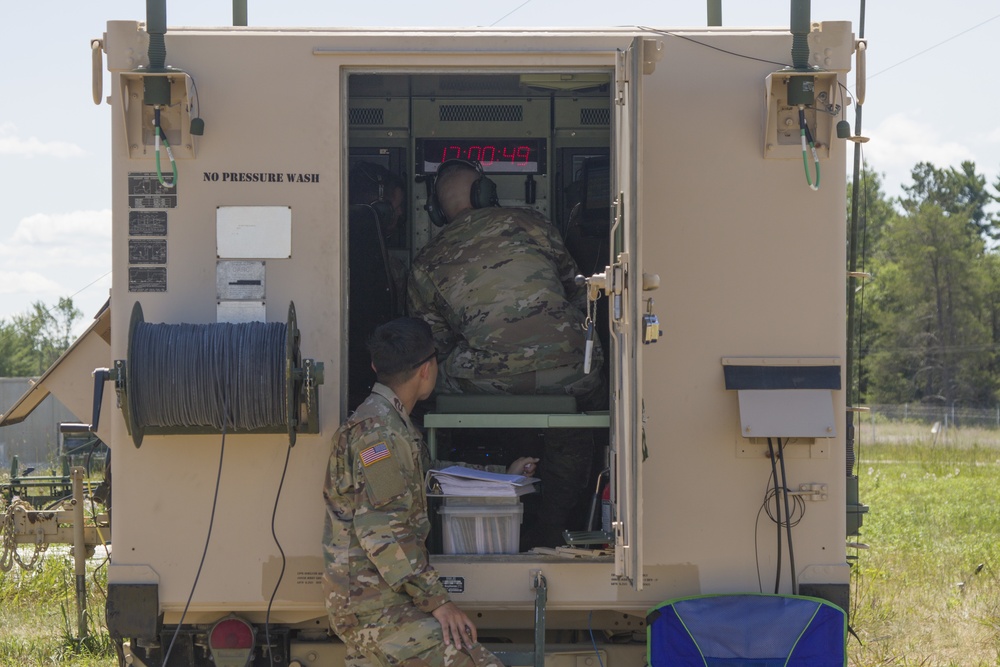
459	481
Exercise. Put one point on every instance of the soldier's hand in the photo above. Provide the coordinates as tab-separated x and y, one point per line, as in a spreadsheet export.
526	465
456	627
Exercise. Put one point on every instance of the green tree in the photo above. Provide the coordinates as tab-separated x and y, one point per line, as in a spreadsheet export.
33	340
991	317
875	213
10	348
957	191
933	309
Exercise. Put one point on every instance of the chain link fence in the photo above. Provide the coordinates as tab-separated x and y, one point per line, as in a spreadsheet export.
945	416
932	424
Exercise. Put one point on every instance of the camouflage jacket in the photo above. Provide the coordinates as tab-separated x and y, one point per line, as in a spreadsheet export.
497	287
375	535
374	541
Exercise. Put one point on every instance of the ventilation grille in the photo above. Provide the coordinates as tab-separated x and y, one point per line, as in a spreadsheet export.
481	113
367	116
595	116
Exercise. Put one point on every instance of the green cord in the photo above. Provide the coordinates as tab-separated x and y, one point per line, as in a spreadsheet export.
805	161
173	163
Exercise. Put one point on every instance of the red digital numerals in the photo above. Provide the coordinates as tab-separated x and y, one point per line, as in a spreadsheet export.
488	155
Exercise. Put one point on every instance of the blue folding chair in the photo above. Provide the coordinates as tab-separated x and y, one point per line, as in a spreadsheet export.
746	630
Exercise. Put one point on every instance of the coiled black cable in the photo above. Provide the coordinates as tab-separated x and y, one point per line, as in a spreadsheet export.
180	375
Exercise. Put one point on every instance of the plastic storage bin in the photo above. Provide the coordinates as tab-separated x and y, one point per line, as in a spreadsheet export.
493	528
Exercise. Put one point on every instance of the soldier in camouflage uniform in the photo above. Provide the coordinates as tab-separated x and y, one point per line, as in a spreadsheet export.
382	595
498	288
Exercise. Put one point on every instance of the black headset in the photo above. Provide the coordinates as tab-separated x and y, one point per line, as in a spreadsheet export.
382	207
482	195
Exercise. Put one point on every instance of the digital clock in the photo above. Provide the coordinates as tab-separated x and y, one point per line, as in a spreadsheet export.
497	156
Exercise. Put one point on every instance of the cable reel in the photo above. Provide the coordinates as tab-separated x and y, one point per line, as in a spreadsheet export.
244	377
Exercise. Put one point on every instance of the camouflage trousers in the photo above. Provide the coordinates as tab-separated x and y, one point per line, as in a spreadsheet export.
565	471
404	636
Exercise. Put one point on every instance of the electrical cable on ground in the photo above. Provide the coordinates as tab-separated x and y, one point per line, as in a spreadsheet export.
204	551
281	574
756	550
788	519
593	642
777	491
777	505
798	507
770	494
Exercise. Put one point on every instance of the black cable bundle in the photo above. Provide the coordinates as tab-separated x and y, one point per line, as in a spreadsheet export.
209	375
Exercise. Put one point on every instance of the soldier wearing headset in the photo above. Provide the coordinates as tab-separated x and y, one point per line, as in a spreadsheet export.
498	288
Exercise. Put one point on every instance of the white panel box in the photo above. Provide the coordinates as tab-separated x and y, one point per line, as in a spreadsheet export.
787	413
262	232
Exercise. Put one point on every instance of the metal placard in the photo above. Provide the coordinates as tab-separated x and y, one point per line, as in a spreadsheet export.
239	281
146	191
147	279
147	223
253	231
147	251
453	584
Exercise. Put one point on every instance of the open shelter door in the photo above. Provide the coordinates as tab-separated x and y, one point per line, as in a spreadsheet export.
624	288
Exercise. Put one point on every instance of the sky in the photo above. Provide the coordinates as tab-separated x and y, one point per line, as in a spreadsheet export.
929	98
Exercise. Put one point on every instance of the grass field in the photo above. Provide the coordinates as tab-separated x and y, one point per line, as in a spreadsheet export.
38	615
926	591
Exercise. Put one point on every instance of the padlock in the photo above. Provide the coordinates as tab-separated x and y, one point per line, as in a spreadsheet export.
650	325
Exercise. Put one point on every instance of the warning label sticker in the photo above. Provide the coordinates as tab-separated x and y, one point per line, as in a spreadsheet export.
146	191
147	279
453	584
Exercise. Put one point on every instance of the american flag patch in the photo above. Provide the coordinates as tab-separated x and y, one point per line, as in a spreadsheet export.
373	454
